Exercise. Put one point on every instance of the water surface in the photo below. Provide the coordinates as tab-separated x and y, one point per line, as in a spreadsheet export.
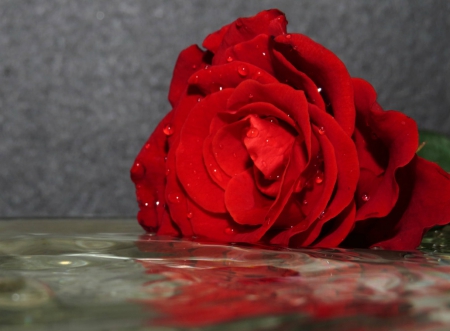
108	275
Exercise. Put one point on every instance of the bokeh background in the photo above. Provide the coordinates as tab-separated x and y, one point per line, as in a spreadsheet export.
83	83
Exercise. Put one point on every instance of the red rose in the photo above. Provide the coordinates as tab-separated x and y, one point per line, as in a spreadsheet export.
270	140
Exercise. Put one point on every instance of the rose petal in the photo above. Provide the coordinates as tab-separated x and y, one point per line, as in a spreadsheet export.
246	205
429	206
337	229
293	103
229	149
326	70
286	72
269	22
306	231
255	51
190	166
269	187
288	181
168	227
213	40
216	173
346	160
190	60
291	215
212	226
395	131
268	145
149	177
262	109
217	78
422	204
176	199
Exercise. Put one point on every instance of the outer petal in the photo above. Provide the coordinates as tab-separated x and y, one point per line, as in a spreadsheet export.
189	61
256	51
176	199
217	78
287	73
213	40
326	70
270	22
428	206
382	136
148	175
423	203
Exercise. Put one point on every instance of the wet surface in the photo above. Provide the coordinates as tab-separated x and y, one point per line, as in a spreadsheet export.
109	275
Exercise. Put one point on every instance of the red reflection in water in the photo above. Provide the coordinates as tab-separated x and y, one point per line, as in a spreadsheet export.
203	285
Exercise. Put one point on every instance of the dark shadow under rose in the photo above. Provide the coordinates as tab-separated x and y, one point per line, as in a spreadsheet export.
270	140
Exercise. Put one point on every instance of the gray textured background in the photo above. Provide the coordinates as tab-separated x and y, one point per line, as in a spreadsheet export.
83	83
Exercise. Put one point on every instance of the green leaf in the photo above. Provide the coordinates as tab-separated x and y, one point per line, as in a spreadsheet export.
435	149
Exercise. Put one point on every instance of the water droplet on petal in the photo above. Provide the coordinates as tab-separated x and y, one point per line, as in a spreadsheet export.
147	146
137	171
272	120
263	53
250	96
195	79
267	219
168	130
321	130
217	174
229	59
243	71
167	172
189	215
199	99
319	89
319	178
229	230
173	197
157	203
264	164
321	215
288	36
365	197
252	132
305	202
194	66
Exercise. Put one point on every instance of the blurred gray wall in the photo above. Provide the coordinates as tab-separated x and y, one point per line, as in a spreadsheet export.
83	83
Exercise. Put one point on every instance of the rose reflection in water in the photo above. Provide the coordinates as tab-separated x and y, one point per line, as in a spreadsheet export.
347	290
